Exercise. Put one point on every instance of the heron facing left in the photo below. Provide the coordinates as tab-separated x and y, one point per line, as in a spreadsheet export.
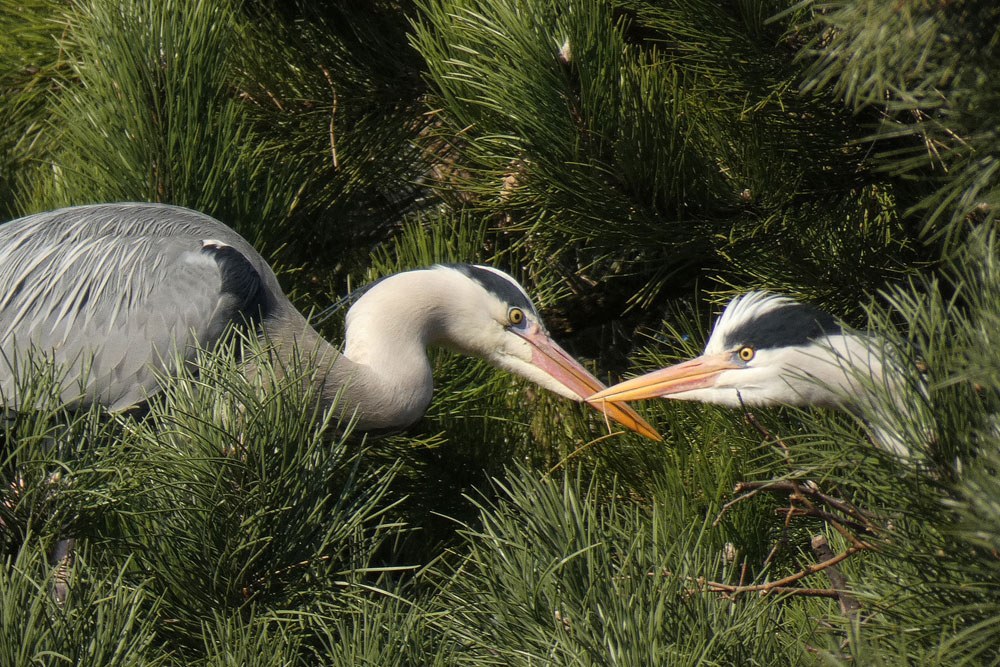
767	349
114	292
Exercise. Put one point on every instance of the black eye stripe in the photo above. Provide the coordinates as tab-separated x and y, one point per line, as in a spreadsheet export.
503	287
789	325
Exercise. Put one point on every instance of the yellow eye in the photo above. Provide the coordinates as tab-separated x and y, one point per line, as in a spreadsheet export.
746	353
515	316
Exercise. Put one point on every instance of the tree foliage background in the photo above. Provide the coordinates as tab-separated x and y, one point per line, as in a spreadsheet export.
636	163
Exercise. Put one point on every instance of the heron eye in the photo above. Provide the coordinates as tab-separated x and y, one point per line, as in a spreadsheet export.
746	353
515	316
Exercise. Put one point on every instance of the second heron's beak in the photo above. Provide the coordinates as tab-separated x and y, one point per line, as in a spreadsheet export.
698	373
556	362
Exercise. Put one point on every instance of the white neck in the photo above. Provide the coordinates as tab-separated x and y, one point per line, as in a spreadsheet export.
388	332
384	375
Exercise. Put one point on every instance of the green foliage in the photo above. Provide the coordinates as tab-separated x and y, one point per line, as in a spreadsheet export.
559	573
248	639
107	621
252	487
653	142
932	587
31	65
388	630
335	100
928	67
62	469
634	163
143	65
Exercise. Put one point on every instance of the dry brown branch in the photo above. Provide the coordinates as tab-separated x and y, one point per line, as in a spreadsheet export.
811	491
582	447
784	535
725	508
752	420
849	604
834	522
803	494
766	589
715	586
818	513
333	115
811	592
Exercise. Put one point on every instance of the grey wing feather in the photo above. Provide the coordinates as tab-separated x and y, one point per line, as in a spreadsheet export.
114	293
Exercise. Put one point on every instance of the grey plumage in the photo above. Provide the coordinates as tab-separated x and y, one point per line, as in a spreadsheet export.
110	291
115	294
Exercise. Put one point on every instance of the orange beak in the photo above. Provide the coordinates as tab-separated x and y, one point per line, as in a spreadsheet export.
556	362
698	373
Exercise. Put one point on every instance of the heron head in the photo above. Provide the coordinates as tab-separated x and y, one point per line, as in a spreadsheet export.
489	315
764	350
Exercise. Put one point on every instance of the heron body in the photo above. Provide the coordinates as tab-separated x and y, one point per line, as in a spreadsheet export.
117	293
114	288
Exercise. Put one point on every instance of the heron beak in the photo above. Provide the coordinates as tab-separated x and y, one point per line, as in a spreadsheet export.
698	373
558	364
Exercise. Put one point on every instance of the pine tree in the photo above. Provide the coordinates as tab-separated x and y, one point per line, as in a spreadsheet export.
635	163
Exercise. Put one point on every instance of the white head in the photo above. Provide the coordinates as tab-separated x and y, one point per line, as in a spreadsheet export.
764	350
475	310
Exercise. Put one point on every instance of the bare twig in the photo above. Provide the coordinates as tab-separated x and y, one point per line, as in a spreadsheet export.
579	449
805	494
725	508
811	592
849	604
778	583
784	534
833	521
766	589
818	513
812	492
333	115
752	420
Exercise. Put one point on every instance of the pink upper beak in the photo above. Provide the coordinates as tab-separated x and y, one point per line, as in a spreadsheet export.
548	356
698	373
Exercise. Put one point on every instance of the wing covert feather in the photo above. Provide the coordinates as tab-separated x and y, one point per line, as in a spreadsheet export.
110	292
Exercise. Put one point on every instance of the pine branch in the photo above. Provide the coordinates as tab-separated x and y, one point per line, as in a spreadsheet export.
799	491
735	590
849	605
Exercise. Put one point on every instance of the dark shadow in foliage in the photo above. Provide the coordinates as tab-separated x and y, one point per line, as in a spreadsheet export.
337	94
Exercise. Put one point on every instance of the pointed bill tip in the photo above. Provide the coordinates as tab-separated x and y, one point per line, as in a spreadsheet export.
627	417
580	383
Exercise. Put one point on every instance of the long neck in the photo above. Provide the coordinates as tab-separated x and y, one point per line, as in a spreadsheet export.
890	398
383	376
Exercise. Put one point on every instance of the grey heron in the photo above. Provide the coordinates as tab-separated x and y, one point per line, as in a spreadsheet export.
114	292
767	349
